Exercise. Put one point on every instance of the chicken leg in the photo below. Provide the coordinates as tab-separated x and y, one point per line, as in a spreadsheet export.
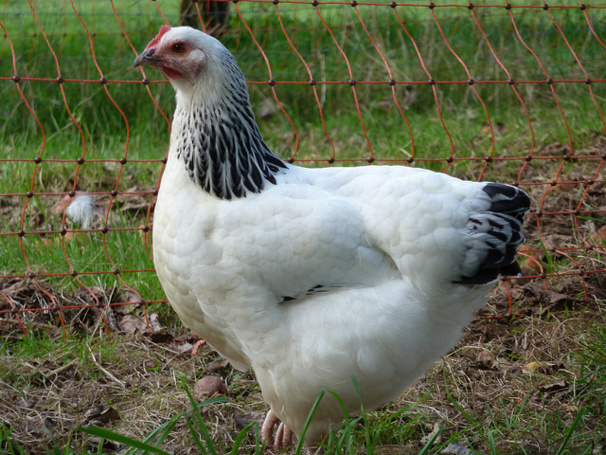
283	435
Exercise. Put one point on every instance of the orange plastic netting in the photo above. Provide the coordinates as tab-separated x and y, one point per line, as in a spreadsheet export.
65	80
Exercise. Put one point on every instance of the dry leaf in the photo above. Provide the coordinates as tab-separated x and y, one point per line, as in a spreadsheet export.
513	373
564	187
95	294
128	296
541	368
546	297
124	308
485	356
555	387
599	237
182	347
129	201
59	207
133	324
154	323
218	365
531	367
531	265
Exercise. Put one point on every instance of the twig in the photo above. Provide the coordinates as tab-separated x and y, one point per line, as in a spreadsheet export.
56	372
111	376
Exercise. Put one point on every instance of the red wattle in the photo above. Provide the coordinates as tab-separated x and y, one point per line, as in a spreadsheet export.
170	73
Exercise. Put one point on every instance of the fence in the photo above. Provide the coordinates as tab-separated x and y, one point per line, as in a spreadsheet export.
506	91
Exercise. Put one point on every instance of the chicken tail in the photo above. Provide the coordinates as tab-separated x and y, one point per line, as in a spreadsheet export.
493	236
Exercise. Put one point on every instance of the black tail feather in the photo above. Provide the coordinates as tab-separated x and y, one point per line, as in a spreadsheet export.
496	234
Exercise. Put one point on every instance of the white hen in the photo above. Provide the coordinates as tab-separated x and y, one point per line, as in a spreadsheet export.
312	276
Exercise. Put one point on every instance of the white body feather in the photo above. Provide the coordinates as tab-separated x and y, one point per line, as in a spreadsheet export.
312	276
391	238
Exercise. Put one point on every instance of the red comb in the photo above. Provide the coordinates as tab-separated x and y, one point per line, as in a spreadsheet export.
163	30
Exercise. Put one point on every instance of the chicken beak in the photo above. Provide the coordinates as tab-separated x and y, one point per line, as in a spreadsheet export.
145	58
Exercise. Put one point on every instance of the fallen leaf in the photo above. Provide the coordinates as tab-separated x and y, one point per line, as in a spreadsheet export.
133	324
564	187
553	149
154	323
94	294
541	368
531	265
183	347
218	365
555	387
531	367
60	206
129	296
554	298
546	297
126	302
599	237
124	308
131	202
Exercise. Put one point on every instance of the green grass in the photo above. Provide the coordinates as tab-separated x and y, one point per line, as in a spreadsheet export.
464	115
105	130
507	424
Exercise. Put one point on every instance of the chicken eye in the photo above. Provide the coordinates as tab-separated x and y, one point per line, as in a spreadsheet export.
178	48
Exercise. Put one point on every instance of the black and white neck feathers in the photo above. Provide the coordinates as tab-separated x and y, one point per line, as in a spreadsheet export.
217	137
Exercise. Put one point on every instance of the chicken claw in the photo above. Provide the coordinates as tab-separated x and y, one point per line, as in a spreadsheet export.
283	435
